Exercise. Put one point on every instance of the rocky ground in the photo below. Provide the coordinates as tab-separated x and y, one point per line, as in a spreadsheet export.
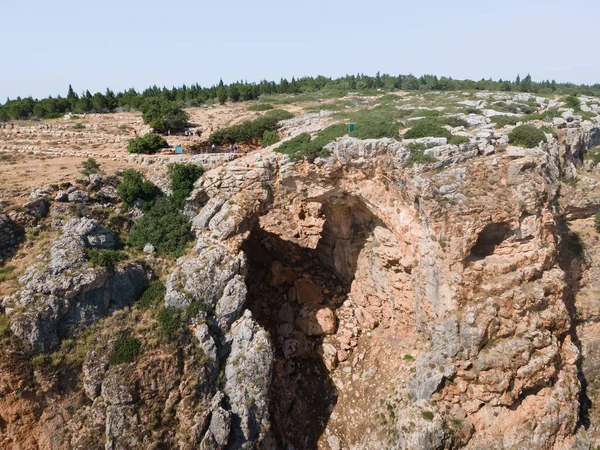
354	302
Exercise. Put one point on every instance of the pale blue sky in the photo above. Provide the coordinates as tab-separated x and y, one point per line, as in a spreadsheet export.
119	44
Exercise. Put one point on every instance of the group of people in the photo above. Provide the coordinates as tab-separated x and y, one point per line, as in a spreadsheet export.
12	125
48	127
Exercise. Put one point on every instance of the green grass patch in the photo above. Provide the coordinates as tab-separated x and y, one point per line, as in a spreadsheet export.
417	155
593	154
78	126
6	273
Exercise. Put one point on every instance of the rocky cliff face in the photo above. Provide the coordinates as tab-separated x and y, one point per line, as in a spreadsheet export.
356	302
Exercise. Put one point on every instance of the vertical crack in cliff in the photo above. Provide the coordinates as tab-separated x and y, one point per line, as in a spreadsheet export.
571	261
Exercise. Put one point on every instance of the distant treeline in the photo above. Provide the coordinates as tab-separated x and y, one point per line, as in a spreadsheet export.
195	95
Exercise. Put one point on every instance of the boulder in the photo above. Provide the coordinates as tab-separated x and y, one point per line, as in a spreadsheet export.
79	196
307	292
314	321
37	208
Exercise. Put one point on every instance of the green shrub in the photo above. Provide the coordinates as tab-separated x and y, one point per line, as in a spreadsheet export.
329	134
455	122
124	351
573	102
148	144
457	140
135	186
375	128
427	415
105	258
597	221
4	326
169	320
501	121
417	155
303	147
153	295
183	177
54	115
89	167
6	273
163	115
527	136
549	130
78	126
593	154
269	138
260	107
163	226
279	114
427	128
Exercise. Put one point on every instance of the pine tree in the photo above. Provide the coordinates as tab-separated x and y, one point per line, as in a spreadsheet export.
71	94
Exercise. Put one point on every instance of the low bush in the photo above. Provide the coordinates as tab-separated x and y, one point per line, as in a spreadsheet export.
501	121
549	130
169	320
163	226
135	186
78	126
279	114
269	138
573	102
417	155
260	107
124	351
455	122
4	326
457	140
526	136
54	115
148	144
250	130
153	295
597	221
427	128
375	128
105	258
183	177
302	146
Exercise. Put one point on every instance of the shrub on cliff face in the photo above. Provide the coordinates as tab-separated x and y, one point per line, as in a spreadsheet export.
269	138
183	177
597	221
163	226
148	144
526	136
125	349
135	186
105	258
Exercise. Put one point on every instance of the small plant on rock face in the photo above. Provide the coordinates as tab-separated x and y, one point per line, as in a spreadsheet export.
125	349
427	415
153	295
597	221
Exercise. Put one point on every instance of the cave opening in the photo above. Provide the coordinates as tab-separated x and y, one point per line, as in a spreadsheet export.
488	239
294	292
